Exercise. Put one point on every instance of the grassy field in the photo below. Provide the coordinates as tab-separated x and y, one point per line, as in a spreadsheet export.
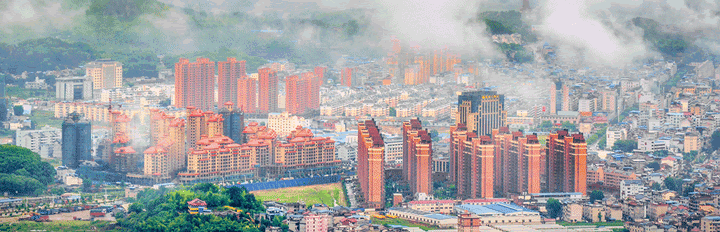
403	222
43	118
312	194
57	226
22	93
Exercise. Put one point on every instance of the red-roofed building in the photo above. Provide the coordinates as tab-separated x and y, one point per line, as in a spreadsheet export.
196	206
216	156
302	150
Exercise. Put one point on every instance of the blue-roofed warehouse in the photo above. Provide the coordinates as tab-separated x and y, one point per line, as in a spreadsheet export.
501	213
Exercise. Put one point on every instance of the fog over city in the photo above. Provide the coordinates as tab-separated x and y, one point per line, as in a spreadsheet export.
360	115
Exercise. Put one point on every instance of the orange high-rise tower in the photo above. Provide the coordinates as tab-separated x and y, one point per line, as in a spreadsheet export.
268	91
228	74
566	162
346	77
371	160
417	157
471	163
195	83
296	94
247	94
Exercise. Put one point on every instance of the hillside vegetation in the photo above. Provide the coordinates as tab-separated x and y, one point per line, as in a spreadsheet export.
22	172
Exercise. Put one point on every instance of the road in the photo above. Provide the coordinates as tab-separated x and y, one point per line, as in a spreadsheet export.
351	194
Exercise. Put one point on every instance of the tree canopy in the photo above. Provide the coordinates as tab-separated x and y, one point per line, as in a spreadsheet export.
596	195
554	208
163	210
625	145
22	171
715	140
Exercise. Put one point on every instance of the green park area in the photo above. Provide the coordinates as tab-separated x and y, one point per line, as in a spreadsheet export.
43	118
313	194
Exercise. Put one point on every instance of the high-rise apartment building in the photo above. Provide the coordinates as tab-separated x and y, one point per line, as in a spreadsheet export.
471	163
195	83
302	150
105	73
371	160
559	97
169	151
296	94
320	73
346	77
501	140
481	111
76	140
74	88
234	123
268	91
520	163
608	101
417	157
228	74
284	123
247	94
302	93
566	162
122	157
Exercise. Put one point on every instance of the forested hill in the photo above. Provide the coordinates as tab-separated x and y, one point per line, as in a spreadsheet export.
137	32
22	172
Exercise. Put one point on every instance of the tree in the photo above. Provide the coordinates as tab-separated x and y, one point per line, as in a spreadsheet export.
87	184
715	140
18	110
661	153
625	145
654	165
393	112
545	125
554	208
690	156
596	195
656	186
23	172
569	126
674	184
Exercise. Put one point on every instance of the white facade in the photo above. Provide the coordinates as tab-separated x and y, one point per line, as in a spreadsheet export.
393	149
74	88
615	134
106	73
631	188
284	123
45	142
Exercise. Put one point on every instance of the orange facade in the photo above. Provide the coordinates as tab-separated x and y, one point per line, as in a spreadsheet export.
302	149
346	77
228	74
471	163
417	157
247	94
302	93
268	91
566	162
371	159
195	83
